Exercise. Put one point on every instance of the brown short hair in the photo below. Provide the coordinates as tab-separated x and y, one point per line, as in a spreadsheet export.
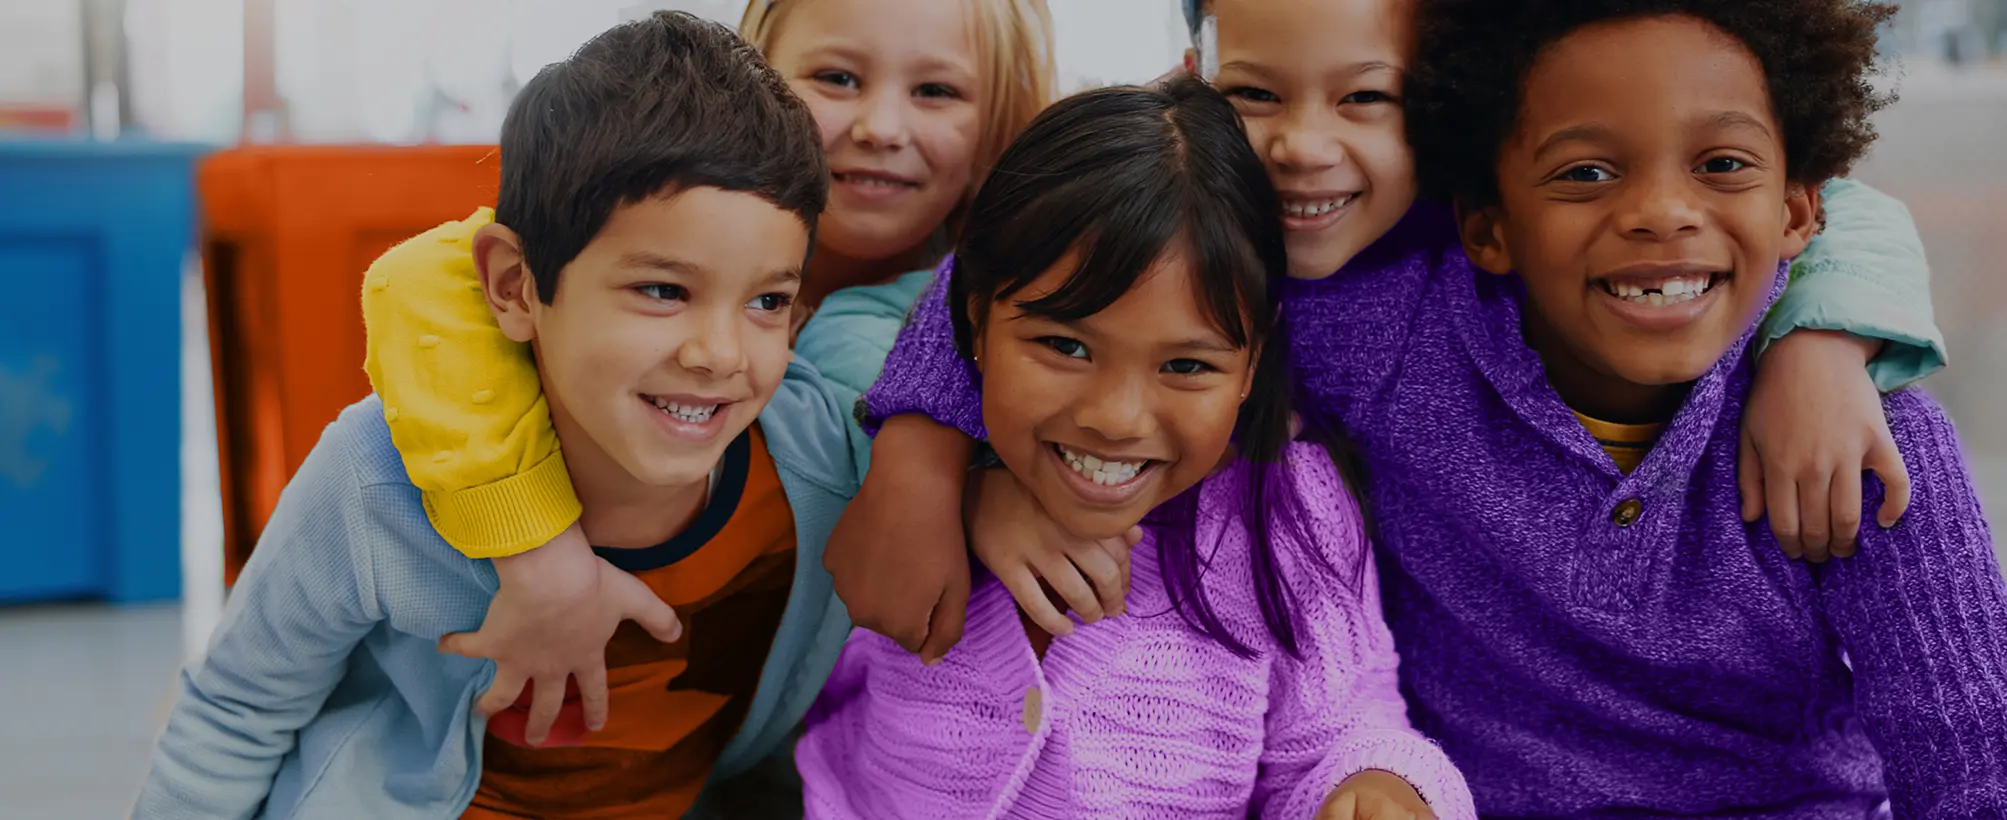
645	109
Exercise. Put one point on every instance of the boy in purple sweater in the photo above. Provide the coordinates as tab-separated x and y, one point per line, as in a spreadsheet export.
1586	639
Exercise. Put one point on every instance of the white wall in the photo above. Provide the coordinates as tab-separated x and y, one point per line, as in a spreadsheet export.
412	70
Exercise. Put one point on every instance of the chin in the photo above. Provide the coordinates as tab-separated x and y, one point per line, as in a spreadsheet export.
1317	257
869	240
1660	372
669	472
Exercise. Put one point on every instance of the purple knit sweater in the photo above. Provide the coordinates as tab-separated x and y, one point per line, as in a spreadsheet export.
1135	717
1572	666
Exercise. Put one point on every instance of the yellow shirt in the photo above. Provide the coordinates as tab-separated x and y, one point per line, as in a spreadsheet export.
1627	444
464	403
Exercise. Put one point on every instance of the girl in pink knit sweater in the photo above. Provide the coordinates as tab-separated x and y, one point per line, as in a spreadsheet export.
1116	273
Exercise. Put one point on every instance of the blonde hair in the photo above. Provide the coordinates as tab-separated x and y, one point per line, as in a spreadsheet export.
1013	51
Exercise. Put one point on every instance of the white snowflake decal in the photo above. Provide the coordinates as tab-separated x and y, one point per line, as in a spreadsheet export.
28	401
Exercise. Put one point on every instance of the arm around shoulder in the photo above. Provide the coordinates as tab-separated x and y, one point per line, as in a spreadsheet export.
1865	274
464	402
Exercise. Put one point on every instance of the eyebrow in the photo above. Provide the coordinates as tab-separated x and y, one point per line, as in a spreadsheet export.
845	51
1201	344
1737	119
784	276
647	260
1586	132
1204	344
1354	69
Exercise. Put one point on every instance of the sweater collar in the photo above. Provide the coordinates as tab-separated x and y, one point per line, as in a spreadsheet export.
1487	309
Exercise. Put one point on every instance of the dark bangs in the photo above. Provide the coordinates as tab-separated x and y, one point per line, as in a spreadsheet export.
1114	176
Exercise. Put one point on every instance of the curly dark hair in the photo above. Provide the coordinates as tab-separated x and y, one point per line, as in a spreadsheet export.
1472	58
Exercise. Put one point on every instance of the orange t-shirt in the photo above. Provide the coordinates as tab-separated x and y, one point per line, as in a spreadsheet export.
673	707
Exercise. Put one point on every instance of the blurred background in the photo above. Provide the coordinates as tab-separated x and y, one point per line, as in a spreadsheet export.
190	190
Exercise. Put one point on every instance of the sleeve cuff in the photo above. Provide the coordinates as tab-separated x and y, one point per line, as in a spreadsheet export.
1835	300
507	517
1406	754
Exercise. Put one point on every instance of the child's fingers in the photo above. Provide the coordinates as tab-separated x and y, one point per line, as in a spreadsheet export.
1780	500
1749	478
546	700
502	692
464	644
1065	579
1815	522
641	605
1846	512
1023	586
1886	462
1342	806
945	625
592	691
1101	570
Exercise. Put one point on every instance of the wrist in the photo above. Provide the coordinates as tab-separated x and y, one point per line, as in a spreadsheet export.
523	567
1865	347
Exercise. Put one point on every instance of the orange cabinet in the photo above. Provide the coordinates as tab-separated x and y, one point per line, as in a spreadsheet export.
286	235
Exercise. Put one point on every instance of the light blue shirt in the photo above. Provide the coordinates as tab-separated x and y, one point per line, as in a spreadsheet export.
323	694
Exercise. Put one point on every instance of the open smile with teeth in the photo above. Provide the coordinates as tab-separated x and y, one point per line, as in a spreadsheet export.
1313	208
694	414
1672	291
1105	473
874	181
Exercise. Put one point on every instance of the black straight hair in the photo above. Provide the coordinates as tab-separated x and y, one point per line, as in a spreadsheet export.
1120	176
646	109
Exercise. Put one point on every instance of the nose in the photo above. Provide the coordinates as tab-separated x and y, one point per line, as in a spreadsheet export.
881	120
717	347
1303	143
1659	206
1118	408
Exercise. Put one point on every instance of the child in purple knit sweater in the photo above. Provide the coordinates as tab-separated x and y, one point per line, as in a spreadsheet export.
1584	619
1115	287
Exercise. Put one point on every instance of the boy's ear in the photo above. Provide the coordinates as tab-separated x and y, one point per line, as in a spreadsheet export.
505	280
1804	216
1483	236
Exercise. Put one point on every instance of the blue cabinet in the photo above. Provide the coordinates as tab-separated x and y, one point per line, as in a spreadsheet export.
93	238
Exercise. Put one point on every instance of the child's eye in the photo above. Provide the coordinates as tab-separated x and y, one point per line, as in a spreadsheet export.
771	302
1187	367
841	79
1252	94
1369	98
1586	173
666	293
1070	348
1722	165
938	91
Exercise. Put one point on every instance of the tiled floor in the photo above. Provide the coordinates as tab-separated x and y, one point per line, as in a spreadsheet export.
83	689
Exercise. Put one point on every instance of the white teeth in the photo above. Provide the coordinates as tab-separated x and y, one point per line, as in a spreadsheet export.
876	182
1659	294
1307	210
694	414
1105	473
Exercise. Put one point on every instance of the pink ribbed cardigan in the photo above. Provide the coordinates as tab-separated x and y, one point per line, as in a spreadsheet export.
1138	716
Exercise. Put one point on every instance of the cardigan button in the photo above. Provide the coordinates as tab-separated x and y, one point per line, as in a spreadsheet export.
1627	513
1033	706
